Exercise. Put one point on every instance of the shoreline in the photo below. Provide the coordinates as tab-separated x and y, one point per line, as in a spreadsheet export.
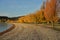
11	28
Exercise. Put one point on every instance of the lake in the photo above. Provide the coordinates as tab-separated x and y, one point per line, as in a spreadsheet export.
4	26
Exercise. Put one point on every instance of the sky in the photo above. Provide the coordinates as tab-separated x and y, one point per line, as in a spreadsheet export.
14	8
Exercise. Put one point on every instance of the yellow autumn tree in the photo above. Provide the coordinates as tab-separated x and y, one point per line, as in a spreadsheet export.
21	20
49	10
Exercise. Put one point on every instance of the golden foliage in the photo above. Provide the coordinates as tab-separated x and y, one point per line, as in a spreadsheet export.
21	20
36	17
10	21
55	19
49	10
46	14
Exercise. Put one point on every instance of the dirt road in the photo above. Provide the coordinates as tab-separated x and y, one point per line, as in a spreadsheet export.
31	32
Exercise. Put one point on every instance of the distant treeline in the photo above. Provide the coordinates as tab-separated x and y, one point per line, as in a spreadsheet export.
5	18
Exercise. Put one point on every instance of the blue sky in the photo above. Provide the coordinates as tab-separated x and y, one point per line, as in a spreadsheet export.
14	8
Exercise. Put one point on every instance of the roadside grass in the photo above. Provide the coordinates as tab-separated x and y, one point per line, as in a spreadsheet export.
56	27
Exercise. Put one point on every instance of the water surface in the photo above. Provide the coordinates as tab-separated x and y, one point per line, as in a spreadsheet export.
4	26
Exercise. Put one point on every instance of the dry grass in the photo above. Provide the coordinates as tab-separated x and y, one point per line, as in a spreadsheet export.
57	27
31	32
